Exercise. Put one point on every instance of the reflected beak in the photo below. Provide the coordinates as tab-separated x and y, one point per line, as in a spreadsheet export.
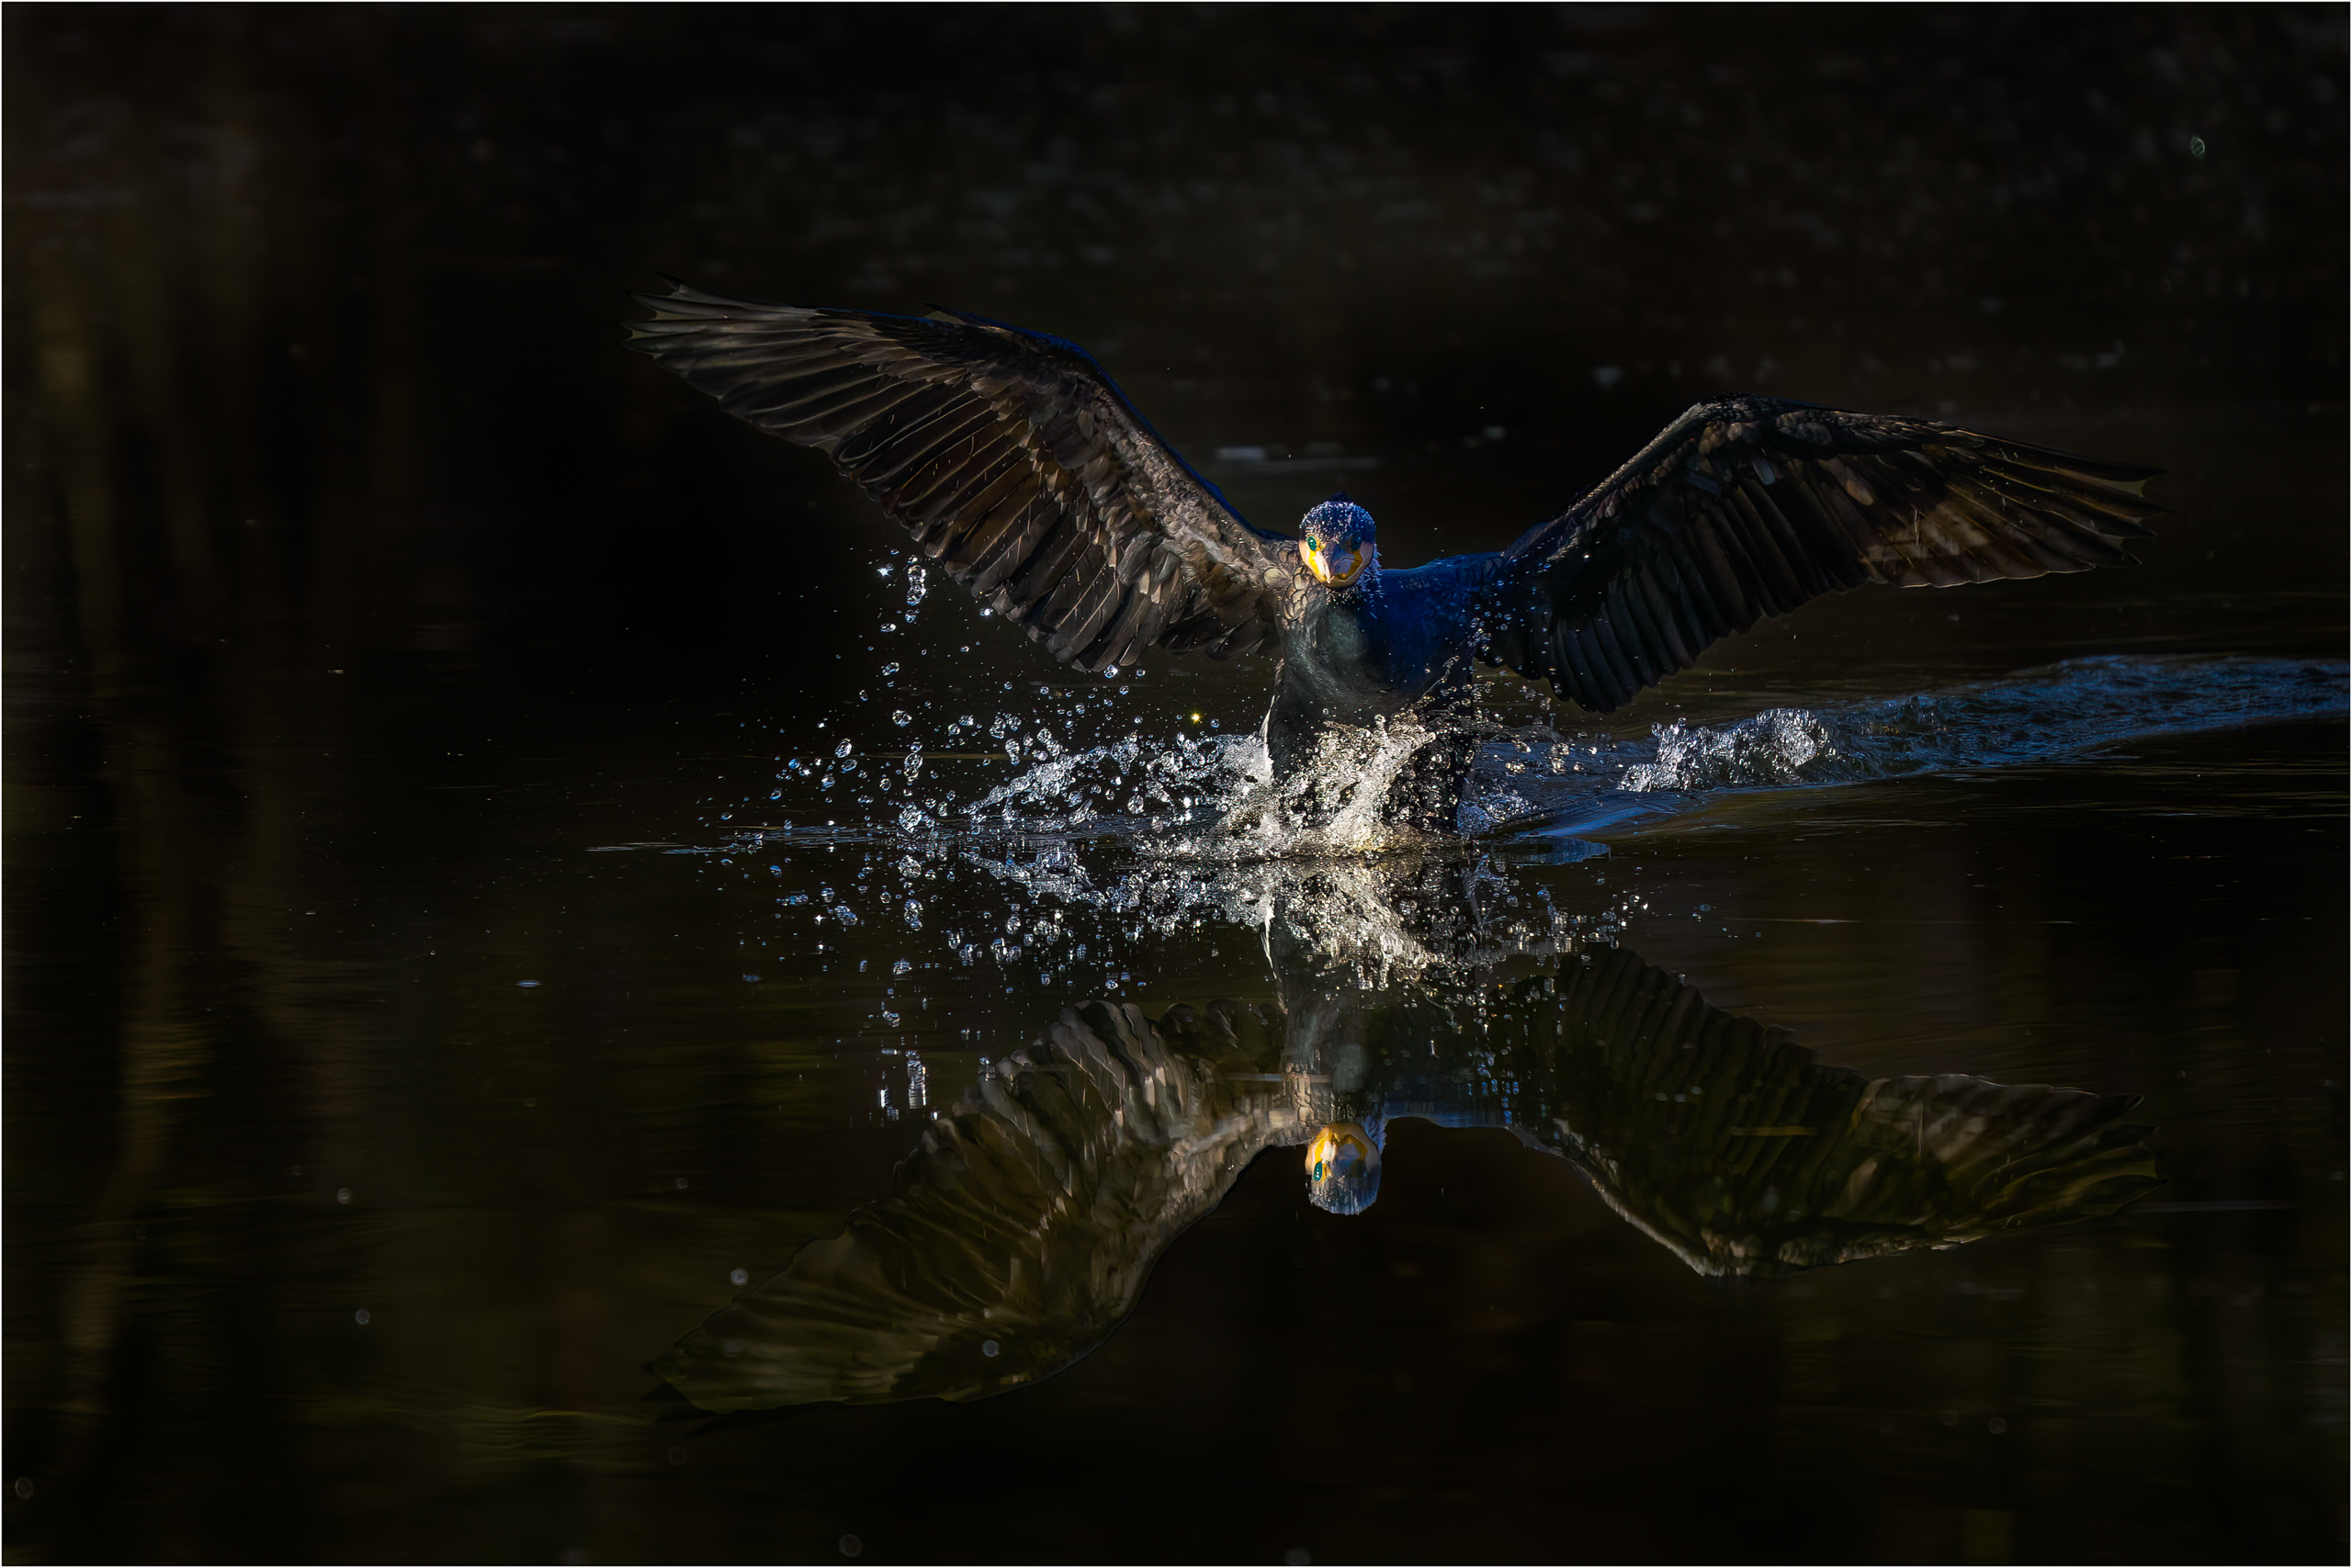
1342	1168
1334	567
1337	1151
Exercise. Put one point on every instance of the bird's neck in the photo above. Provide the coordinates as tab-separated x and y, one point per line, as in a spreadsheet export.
1363	596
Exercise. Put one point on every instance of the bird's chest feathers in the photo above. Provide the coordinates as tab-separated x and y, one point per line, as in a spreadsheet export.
1344	635
1357	648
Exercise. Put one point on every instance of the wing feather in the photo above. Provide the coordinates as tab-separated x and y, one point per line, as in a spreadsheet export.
1020	1231
1748	507
1014	462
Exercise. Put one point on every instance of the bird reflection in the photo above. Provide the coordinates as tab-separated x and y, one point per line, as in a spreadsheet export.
1020	1231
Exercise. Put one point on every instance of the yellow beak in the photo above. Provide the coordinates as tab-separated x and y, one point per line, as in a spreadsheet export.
1323	1154
1336	567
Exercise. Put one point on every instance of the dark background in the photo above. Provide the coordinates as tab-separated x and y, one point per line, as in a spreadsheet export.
311	310
357	580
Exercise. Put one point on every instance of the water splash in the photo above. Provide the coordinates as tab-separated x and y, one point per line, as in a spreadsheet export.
1098	848
1211	798
1127	784
2037	715
1214	797
1780	745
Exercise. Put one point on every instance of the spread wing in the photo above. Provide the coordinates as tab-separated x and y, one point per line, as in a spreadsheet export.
1020	1232
1748	507
1727	1143
1015	462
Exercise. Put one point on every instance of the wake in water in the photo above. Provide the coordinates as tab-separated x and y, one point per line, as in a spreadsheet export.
1211	798
2034	717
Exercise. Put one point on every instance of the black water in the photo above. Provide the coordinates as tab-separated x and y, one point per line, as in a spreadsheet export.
411	1038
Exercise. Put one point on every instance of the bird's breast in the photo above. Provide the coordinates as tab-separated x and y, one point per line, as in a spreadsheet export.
1352	663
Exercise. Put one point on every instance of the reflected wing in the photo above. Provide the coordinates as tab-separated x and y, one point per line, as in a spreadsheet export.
1751	506
1013	460
1019	1233
1726	1142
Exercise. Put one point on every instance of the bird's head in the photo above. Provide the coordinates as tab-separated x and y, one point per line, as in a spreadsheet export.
1338	543
1343	1167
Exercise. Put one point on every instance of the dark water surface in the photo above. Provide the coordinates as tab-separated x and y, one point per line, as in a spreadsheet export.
424	792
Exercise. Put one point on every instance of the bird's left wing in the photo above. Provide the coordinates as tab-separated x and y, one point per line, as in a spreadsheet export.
1015	462
1020	1230
1748	507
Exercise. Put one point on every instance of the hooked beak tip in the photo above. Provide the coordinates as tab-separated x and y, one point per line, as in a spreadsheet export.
1334	569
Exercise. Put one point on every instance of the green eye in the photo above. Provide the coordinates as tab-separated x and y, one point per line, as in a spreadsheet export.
1318	1171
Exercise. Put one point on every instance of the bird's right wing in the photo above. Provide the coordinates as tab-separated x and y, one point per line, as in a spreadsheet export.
1015	462
1747	507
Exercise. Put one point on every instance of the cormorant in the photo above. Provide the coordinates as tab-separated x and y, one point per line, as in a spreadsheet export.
1023	471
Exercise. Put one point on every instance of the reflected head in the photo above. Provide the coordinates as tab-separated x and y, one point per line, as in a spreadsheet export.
1343	1169
1336	545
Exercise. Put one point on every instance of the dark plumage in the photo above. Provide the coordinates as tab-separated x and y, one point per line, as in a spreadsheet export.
1023	471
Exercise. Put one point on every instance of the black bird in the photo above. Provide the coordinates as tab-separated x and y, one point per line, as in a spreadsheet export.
1023	471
